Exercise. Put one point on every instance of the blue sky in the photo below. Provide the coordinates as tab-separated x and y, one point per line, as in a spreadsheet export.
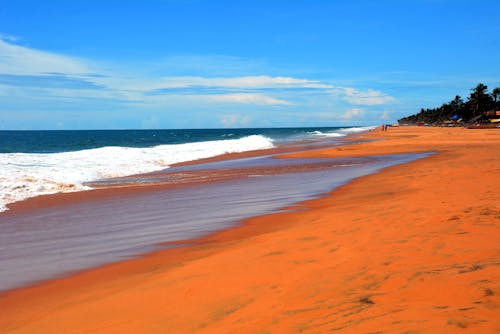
196	64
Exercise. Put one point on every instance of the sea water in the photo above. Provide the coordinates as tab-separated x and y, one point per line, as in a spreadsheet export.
34	163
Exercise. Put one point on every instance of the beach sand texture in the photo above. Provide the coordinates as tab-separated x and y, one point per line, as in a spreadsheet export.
412	249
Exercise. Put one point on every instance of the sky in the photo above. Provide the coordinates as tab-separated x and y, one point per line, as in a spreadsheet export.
214	64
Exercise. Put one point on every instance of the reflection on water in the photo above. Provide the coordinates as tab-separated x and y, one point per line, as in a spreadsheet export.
48	243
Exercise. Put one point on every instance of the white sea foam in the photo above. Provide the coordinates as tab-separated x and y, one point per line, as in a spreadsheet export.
333	134
316	134
341	132
356	129
24	175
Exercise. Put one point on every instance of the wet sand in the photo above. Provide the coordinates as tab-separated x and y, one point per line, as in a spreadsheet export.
414	248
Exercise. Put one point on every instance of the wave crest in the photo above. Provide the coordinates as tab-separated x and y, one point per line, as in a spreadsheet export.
24	175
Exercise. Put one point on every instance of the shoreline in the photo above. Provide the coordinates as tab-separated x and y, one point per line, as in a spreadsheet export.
65	198
141	219
10	201
221	286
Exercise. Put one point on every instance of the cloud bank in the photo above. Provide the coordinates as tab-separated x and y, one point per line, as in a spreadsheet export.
51	79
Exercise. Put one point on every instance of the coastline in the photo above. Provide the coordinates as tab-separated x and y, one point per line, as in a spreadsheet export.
135	215
98	193
432	266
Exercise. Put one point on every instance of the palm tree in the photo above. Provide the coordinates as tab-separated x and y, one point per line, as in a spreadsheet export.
479	99
495	94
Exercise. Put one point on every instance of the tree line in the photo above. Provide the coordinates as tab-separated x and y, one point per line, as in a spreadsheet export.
478	102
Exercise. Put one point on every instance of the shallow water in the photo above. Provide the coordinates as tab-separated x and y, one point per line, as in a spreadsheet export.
53	242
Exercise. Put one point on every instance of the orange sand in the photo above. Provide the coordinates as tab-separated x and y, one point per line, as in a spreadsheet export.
414	249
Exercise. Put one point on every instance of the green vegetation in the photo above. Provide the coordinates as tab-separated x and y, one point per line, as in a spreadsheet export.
478	102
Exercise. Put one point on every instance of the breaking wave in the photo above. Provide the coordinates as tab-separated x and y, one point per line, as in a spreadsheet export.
24	175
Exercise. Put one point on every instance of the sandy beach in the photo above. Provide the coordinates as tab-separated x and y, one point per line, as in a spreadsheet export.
411	249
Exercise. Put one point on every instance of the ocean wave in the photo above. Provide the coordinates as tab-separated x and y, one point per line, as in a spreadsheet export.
333	134
24	175
356	129
342	132
336	133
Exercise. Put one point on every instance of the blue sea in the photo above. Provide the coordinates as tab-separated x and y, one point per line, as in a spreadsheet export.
35	163
56	141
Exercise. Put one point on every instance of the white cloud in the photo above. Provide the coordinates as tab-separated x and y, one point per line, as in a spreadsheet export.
352	113
116	84
264	81
232	120
241	82
20	60
247	98
367	97
24	61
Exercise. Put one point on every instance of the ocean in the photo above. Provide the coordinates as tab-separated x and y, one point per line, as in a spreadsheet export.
34	163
